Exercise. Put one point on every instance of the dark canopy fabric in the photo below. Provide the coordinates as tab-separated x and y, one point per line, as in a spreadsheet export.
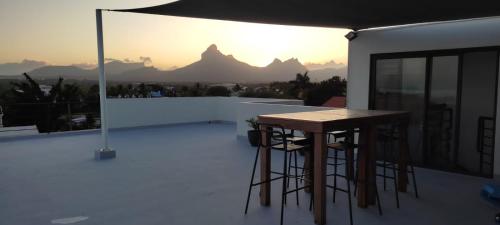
352	14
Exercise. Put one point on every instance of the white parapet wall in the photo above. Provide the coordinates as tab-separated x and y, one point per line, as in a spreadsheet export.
19	131
139	112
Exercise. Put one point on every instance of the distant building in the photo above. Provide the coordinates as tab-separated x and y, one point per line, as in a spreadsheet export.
45	89
156	94
336	102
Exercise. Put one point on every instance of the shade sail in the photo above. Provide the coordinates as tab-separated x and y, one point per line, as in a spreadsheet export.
351	14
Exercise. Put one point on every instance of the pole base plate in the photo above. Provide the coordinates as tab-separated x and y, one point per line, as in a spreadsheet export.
104	154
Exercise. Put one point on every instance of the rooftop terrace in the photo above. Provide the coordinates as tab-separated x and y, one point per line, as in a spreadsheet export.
189	174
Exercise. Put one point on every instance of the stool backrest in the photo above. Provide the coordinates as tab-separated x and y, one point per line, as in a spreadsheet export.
275	131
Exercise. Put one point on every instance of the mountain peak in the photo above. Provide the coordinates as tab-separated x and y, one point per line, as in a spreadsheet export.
212	51
275	62
212	47
293	60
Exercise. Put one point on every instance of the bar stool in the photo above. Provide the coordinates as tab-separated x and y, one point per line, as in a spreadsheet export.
336	148
298	140
280	143
347	137
374	183
353	146
385	135
390	135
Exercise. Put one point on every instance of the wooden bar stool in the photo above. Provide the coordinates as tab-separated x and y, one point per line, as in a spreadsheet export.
281	144
390	135
339	161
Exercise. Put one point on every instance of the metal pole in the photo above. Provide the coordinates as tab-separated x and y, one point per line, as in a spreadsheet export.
102	82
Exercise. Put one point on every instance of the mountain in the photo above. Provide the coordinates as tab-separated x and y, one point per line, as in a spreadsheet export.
283	71
117	67
144	74
67	72
217	67
21	67
327	73
212	67
320	66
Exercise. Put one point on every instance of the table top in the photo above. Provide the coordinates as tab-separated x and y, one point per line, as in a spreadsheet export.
325	119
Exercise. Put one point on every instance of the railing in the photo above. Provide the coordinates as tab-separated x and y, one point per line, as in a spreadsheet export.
52	117
485	144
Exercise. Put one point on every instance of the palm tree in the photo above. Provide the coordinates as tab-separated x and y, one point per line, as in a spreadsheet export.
300	85
70	93
34	105
142	90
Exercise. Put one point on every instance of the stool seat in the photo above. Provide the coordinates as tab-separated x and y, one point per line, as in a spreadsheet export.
290	147
336	145
339	134
295	139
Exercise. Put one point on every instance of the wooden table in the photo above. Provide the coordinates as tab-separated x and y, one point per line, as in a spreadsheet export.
319	123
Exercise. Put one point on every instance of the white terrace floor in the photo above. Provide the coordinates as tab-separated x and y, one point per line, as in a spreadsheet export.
188	175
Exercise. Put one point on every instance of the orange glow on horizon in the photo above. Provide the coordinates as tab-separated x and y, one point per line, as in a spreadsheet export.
61	33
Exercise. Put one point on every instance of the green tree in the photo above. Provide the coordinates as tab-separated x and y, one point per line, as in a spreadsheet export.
33	105
70	93
92	105
218	91
300	85
237	88
196	90
142	90
318	94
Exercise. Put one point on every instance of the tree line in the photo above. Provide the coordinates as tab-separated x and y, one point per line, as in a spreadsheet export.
61	106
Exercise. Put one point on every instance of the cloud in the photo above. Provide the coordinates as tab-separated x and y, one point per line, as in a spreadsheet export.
142	59
110	59
86	66
17	68
146	60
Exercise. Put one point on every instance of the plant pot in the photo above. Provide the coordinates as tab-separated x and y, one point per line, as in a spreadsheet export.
254	137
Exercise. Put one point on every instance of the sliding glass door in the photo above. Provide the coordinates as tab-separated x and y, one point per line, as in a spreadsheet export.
477	112
441	111
452	98
400	85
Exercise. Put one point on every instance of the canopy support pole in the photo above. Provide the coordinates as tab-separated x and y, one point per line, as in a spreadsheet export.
105	152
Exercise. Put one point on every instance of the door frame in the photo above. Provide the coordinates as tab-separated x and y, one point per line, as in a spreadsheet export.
428	55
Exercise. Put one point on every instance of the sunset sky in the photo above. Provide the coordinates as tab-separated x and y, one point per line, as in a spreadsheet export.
62	32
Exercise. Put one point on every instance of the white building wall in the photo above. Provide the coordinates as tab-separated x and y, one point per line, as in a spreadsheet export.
497	135
448	35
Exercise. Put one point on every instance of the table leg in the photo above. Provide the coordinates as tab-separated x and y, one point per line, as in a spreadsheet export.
350	156
320	155
265	167
367	166
403	156
308	174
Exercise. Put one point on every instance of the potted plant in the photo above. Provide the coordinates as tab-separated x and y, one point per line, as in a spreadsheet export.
254	134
